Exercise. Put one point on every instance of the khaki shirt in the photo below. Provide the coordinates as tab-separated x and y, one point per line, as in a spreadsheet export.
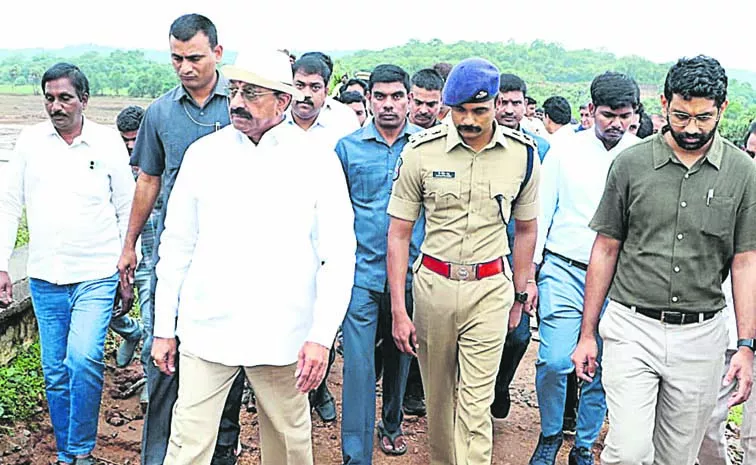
459	189
680	227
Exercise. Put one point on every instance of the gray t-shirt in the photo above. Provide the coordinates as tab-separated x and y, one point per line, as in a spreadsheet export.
170	125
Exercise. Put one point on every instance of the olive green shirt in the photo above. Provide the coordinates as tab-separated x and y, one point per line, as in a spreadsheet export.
679	227
468	197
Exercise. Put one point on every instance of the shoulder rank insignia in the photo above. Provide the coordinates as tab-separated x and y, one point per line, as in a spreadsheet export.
519	136
427	135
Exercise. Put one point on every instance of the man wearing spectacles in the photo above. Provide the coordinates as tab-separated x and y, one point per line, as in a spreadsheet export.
196	107
677	216
295	265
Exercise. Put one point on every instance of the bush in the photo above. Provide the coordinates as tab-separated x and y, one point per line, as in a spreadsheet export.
22	238
22	385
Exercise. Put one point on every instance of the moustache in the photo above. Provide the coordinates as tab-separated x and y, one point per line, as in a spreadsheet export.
306	100
468	128
241	113
58	113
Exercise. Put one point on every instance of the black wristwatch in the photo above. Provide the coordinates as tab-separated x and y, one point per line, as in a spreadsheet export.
521	297
750	343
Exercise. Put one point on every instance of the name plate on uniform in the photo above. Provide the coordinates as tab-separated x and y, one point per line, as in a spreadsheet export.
444	174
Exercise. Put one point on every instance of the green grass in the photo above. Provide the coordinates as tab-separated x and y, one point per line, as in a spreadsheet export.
736	415
18	90
22	238
21	385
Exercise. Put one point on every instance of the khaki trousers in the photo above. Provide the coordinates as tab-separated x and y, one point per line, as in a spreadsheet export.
714	446
283	413
461	327
661	382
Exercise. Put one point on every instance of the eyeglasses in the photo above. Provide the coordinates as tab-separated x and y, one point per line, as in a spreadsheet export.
682	120
249	93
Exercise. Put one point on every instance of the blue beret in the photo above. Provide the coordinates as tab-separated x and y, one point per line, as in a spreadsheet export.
471	81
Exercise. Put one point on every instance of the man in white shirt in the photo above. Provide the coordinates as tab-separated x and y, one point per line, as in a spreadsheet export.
322	126
573	177
532	122
74	179
556	119
286	251
314	114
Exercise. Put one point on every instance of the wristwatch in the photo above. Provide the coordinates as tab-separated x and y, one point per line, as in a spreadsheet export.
750	343
521	297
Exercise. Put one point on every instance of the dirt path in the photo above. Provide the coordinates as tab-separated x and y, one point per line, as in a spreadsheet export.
121	425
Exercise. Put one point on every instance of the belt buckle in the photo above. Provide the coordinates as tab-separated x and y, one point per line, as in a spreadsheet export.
664	315
462	272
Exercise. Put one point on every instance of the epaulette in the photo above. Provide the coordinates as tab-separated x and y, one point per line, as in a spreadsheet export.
519	136
429	134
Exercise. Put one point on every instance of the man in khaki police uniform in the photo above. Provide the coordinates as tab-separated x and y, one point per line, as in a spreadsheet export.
471	178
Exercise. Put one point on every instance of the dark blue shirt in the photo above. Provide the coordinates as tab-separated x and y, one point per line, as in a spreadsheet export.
369	163
543	147
170	125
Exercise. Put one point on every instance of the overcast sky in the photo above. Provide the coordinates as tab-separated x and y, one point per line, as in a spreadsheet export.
660	30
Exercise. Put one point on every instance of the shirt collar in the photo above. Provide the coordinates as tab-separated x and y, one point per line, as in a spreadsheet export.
370	132
323	119
663	153
272	137
86	136
221	88
453	139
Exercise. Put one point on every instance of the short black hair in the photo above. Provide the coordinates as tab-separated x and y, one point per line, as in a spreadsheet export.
443	69
511	83
66	70
351	97
751	130
129	118
311	64
389	73
323	57
615	90
530	100
428	79
187	26
356	81
646	126
558	109
701	76
584	106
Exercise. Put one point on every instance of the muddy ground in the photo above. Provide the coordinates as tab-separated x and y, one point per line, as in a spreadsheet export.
32	443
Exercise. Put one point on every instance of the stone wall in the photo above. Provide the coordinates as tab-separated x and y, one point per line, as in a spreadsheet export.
18	327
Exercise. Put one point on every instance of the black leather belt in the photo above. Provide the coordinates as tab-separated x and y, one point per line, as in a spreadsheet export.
570	261
673	318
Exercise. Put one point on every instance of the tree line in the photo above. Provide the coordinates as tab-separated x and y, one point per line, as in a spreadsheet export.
548	69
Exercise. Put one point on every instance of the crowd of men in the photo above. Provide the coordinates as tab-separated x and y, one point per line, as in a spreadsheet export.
429	217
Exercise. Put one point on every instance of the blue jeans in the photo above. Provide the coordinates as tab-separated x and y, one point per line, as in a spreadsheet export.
561	291
368	316
73	320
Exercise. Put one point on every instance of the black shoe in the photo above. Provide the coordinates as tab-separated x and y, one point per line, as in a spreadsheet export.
581	456
569	425
547	449
414	405
500	406
322	402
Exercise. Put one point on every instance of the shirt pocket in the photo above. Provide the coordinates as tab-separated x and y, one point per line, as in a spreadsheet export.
441	197
368	183
719	217
502	194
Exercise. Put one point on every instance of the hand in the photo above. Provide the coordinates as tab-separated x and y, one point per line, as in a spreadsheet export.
532	304
741	368
311	366
124	296
584	358
515	315
164	354
6	289
127	264
404	334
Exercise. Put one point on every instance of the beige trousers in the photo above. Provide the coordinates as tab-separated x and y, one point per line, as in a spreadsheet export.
283	413
714	446
661	382
461	328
